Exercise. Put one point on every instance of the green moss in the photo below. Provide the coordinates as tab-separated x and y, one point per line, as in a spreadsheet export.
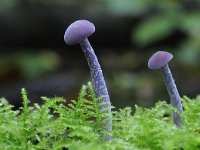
52	125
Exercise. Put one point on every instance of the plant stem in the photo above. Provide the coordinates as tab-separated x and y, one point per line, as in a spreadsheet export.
99	87
173	93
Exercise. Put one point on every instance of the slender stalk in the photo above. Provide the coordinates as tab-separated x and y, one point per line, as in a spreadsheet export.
173	93
99	87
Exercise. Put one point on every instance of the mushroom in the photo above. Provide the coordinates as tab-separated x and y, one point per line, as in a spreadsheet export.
160	60
78	33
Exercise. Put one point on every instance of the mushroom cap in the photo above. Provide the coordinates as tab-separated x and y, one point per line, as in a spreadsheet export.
77	31
159	59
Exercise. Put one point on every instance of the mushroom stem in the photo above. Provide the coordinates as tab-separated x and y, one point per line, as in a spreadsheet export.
173	93
99	88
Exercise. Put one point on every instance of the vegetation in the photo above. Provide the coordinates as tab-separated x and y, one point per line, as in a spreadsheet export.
53	125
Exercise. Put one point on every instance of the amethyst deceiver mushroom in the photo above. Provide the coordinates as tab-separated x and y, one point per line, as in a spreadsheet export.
78	33
159	60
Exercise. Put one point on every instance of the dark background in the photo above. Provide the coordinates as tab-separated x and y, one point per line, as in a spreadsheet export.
33	54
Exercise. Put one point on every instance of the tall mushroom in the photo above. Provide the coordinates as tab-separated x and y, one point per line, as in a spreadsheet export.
160	60
78	32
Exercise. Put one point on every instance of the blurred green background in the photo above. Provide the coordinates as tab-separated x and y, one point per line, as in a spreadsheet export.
34	55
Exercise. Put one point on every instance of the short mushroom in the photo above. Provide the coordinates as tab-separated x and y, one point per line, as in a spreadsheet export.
160	60
78	33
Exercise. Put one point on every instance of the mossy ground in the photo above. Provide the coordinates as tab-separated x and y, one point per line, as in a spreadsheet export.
52	125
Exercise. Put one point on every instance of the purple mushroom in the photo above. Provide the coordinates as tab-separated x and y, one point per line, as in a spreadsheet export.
78	33
160	60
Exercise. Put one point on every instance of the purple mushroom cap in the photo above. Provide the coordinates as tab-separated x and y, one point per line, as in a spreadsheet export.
77	31
159	59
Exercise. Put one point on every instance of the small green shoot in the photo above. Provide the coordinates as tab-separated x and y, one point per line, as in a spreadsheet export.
57	126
